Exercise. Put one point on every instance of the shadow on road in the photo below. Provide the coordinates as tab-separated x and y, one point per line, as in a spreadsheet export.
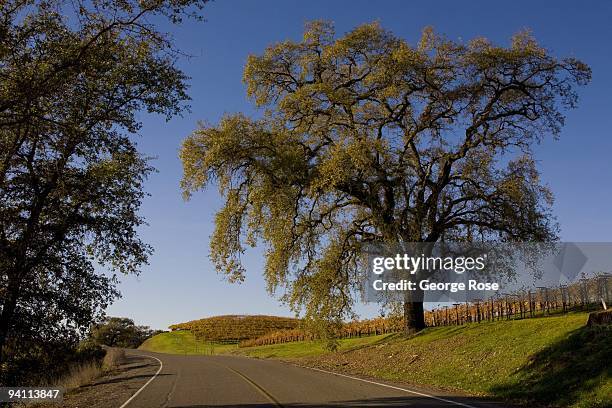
133	377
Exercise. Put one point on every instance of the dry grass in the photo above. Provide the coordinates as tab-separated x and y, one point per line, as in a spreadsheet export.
113	358
80	375
86	373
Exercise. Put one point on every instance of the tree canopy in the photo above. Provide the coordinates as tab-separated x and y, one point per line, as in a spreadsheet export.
74	75
366	138
119	332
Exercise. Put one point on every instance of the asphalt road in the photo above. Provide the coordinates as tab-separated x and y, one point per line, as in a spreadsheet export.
227	381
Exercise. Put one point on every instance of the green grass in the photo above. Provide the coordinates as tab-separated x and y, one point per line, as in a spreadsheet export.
552	361
183	342
301	349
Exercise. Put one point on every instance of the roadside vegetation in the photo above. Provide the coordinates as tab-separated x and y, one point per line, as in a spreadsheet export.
100	353
88	371
119	332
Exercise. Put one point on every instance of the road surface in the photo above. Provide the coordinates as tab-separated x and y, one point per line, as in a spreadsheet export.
228	381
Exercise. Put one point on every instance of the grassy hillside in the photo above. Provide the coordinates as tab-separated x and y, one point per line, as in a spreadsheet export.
555	360
301	349
183	342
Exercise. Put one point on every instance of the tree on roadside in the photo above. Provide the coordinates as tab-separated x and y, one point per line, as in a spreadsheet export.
119	332
365	138
73	77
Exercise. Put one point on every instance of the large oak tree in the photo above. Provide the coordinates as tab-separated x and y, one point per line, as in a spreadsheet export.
366	138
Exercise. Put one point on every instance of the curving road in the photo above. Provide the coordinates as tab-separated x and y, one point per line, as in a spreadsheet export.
227	381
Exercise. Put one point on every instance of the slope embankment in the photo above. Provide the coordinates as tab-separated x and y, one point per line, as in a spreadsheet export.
558	361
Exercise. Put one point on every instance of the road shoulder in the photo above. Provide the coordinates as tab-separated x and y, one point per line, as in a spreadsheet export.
116	387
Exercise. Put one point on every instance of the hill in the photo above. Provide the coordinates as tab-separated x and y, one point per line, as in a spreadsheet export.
183	342
234	328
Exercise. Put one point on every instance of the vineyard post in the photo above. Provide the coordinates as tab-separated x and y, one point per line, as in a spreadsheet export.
498	308
605	277
602	286
530	303
584	293
508	306
562	289
498	304
456	312
552	299
516	306
519	302
544	297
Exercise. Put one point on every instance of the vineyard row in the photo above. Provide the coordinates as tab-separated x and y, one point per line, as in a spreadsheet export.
587	294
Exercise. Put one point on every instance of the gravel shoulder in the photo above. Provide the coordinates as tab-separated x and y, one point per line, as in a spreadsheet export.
115	387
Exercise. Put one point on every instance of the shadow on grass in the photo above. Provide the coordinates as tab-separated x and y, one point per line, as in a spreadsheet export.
566	372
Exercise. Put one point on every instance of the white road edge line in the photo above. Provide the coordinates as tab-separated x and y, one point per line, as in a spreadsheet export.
161	365
394	387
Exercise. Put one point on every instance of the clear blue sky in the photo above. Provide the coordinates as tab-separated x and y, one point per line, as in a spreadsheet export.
180	284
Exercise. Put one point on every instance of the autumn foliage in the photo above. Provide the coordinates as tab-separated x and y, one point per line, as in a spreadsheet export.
235	328
356	328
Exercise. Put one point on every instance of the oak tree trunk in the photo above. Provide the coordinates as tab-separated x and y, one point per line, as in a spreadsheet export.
414	317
